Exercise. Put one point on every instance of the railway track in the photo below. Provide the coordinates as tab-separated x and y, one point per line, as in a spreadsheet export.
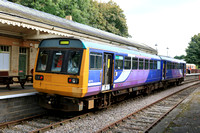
44	122
144	119
37	124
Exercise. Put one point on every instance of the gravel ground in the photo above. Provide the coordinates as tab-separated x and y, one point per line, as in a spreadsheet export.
95	122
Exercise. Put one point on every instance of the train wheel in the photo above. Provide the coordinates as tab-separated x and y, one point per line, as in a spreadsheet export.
177	82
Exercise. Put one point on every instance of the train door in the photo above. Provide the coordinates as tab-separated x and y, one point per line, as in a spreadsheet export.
183	67
164	70
107	72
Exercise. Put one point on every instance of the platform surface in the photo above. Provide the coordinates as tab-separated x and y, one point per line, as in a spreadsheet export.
183	119
16	90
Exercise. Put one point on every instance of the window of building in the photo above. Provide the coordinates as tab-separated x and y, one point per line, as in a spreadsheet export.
4	58
4	49
127	63
146	64
95	61
22	50
134	63
119	62
141	63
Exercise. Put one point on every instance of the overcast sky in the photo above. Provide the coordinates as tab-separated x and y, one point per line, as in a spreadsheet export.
167	23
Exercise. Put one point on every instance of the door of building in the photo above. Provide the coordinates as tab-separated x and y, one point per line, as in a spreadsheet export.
22	62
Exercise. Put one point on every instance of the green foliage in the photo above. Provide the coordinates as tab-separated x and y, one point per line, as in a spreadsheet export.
105	16
182	57
114	17
193	50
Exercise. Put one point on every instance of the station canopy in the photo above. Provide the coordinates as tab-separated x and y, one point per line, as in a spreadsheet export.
27	23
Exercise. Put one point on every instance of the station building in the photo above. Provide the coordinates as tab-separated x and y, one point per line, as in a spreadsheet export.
22	28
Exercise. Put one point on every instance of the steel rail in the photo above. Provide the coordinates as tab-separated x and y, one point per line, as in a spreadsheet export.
8	124
117	123
51	126
39	130
61	123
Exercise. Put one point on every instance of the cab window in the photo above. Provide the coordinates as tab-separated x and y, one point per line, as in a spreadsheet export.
57	61
74	61
42	60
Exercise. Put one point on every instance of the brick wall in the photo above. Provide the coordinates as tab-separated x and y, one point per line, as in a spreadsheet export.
19	108
33	54
14	60
15	44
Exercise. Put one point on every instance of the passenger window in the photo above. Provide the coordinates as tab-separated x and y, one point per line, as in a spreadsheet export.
155	65
171	65
158	65
127	63
119	62
146	64
95	61
134	63
168	65
151	64
57	61
141	63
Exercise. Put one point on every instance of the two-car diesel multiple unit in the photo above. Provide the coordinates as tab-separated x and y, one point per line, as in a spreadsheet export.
74	75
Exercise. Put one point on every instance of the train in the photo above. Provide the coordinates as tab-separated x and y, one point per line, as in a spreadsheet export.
74	74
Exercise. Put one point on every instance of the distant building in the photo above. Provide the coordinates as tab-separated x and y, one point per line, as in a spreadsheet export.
191	66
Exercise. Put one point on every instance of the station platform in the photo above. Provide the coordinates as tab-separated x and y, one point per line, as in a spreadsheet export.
185	118
18	103
16	91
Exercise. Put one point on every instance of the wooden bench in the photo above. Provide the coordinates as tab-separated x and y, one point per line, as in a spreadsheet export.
29	78
5	79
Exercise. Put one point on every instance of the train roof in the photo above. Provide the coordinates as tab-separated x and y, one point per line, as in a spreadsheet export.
119	49
83	44
172	59
45	22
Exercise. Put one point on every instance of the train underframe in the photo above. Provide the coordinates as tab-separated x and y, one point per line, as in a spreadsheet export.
102	100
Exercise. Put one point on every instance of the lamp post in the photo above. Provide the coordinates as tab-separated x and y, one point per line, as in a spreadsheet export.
167	51
156	47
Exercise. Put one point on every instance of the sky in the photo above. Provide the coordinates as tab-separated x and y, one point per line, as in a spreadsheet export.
167	23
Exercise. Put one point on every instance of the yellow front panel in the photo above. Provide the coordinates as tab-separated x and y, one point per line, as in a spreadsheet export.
58	83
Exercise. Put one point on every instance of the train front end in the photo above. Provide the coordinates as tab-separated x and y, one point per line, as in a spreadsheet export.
60	67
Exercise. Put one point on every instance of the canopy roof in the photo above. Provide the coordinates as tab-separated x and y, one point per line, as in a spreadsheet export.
21	19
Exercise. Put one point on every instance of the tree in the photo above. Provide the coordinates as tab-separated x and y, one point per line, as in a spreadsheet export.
180	57
105	16
193	50
115	18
